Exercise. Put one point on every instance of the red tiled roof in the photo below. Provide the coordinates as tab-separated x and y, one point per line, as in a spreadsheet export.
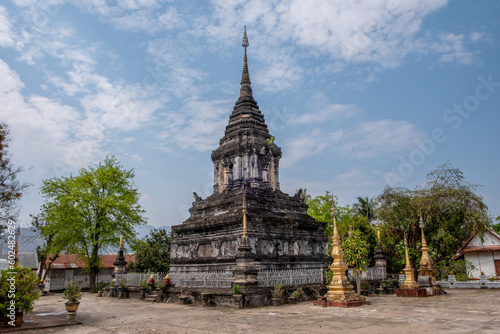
72	261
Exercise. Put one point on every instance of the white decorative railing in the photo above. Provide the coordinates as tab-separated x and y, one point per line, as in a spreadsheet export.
370	274
203	279
133	279
269	277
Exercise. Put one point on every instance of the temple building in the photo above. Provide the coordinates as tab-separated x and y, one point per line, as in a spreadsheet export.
282	243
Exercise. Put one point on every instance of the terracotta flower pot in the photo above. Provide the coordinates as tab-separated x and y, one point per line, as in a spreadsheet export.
72	306
276	302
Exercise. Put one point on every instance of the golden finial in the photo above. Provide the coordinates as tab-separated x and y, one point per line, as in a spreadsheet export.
378	231
334	215
121	236
244	210
422	225
406	253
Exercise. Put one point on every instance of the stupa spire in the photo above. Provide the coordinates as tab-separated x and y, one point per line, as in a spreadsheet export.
244	210
245	90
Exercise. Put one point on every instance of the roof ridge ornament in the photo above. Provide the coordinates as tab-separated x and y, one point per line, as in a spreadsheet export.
245	90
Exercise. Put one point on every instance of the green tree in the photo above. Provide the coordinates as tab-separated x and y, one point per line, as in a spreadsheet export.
496	227
89	209
365	207
54	242
11	189
356	251
153	252
448	203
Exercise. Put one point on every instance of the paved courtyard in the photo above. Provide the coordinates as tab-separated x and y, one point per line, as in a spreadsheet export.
461	311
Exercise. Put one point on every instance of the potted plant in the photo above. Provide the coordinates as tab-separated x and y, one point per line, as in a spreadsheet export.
112	289
277	293
294	296
122	288
160	287
184	296
364	288
143	287
237	294
72	293
101	286
18	291
388	285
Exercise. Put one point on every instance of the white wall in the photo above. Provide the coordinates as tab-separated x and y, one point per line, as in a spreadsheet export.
483	262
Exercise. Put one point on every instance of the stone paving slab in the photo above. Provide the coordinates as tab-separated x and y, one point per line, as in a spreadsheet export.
39	322
460	311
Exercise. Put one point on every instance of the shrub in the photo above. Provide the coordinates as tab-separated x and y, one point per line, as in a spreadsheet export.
72	292
277	291
102	285
237	289
26	290
297	293
160	285
143	284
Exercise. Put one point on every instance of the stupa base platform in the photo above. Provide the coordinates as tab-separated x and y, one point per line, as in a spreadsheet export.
341	304
411	292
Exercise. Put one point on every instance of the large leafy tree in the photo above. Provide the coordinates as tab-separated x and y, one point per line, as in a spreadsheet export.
153	252
89	209
11	189
449	205
358	238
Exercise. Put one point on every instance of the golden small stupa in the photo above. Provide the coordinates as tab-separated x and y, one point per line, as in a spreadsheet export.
340	290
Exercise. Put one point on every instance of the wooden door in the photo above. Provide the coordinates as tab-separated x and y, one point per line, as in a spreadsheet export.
497	267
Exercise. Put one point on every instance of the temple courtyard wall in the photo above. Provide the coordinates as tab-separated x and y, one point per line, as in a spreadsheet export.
460	311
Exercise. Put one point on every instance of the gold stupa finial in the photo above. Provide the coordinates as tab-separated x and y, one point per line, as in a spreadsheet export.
408	264
244	210
334	216
121	236
378	232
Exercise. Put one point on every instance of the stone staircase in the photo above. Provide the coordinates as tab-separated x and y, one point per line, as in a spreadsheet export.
153	297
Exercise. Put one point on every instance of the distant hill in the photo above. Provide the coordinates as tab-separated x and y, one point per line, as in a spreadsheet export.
29	240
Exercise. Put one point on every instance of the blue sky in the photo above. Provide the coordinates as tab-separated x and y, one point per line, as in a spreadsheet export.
359	95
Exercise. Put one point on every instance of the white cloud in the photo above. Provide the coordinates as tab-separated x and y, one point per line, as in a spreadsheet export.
41	127
378	138
6	36
326	113
302	146
197	125
136	16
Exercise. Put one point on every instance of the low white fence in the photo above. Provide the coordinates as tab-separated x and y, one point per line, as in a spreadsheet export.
482	283
203	279
269	277
133	279
370	274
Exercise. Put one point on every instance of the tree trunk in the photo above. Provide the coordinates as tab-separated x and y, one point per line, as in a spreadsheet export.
42	260
358	281
93	276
